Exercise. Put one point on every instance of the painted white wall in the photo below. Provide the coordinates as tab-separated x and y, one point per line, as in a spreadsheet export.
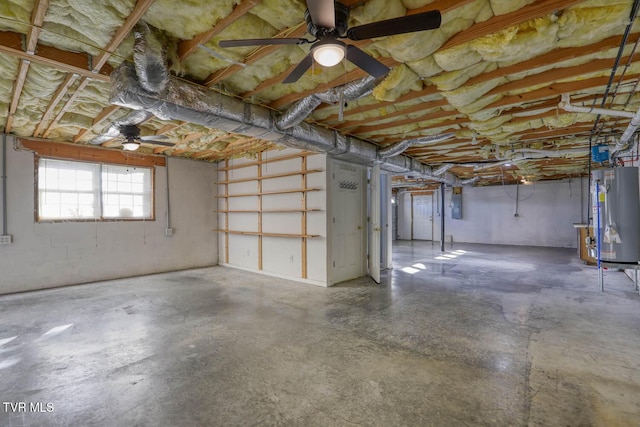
546	212
404	215
281	256
46	255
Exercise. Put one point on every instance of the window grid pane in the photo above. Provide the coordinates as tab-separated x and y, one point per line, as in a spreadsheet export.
127	192
71	190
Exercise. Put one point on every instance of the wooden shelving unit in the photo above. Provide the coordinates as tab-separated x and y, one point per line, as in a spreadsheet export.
268	211
260	194
267	193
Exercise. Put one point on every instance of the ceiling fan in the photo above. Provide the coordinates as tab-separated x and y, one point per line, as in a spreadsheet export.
327	21
131	139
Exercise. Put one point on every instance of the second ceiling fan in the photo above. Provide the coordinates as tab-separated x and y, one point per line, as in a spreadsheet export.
327	21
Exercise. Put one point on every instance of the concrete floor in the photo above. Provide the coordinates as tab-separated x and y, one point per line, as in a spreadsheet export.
497	335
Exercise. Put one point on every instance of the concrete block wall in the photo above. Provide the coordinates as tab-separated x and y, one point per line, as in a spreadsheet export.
46	255
546	213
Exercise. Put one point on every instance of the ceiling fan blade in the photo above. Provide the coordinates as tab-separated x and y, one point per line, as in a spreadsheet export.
152	137
366	62
390	27
154	142
260	42
300	69
322	12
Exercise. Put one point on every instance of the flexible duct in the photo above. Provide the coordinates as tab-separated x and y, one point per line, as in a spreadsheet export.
148	55
186	101
113	131
399	147
301	109
470	180
442	169
566	105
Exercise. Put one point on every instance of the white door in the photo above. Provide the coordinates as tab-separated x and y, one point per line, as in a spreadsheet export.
374	224
347	188
423	217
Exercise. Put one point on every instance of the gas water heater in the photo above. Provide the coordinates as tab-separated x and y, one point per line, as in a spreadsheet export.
616	214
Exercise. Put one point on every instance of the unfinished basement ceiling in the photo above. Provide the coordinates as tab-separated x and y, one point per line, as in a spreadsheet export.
492	74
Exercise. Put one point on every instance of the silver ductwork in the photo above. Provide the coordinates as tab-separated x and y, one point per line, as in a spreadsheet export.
186	101
442	169
113	131
470	181
301	109
148	56
399	147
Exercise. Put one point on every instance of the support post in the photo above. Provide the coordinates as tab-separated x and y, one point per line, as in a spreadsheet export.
442	217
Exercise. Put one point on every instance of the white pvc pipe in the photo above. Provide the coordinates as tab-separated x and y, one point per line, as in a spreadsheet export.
566	105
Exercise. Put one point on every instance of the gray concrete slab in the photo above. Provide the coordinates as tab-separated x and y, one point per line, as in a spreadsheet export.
480	335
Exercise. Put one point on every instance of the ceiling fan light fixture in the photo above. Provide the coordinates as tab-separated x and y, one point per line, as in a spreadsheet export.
130	145
328	52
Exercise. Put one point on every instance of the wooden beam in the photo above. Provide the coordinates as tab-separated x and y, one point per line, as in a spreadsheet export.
66	106
497	23
37	18
554	75
55	100
71	62
15	95
136	14
88	153
553	57
186	47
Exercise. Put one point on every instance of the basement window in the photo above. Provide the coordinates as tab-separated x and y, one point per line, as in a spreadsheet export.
78	191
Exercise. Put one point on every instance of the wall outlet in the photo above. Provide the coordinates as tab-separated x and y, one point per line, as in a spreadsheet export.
6	239
168	232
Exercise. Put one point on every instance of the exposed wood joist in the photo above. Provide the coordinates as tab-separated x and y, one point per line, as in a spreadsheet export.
102	116
71	62
186	47
83	83
37	18
53	103
497	23
553	90
136	14
15	94
547	59
490	26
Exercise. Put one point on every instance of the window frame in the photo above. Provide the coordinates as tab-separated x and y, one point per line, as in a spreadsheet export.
100	218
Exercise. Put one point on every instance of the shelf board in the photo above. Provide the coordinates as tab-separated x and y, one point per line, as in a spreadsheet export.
268	210
273	159
257	233
278	175
266	193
